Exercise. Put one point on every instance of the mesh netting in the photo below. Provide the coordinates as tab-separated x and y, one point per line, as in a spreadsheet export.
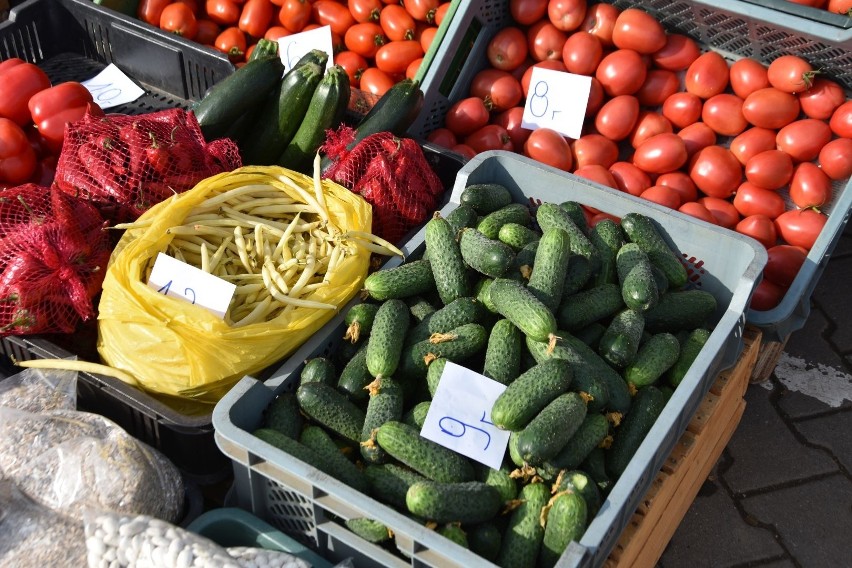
390	173
54	251
124	164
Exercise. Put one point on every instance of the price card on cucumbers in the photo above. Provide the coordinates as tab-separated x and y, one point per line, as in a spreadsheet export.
557	100
459	417
111	87
291	48
172	277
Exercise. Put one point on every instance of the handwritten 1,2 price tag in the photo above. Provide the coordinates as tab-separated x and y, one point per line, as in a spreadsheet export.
291	48
172	277
459	417
557	100
111	87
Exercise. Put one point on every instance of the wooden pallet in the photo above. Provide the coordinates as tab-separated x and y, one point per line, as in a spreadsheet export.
770	352
672	492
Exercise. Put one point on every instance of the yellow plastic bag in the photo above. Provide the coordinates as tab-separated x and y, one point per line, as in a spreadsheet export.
174	348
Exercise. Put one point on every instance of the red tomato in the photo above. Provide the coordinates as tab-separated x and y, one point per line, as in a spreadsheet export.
770	169
598	174
375	81
767	295
179	19
783	263
803	139
441	12
621	72
822	99
660	154
751	142
810	187
753	200
527	12
707	76
659	85
663	195
601	216
294	14
511	120
835	158
333	14
600	22
256	16
149	11
365	39
790	73
841	120
443	137
683	109
800	227
681	183
499	89
422	10
638	30
396	56
507	49
464	150
723	210
697	136
354	64
747	76
207	32
724	114
697	210
617	117
759	227
596	98
397	23
489	137
545	41
549	147
365	10
232	41
715	171
678	53
554	64
594	149
770	108
581	53
567	15
427	36
629	178
839	7
466	116
649	123
413	68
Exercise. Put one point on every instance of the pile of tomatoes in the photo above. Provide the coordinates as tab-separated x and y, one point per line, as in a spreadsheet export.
377	42
671	123
842	7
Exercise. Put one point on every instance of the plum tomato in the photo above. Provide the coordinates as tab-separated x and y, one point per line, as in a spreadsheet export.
581	53
658	86
507	49
747	75
681	183
716	171
803	139
708	75
443	137
596	98
767	295
511	120
683	109
594	149
678	53
598	174
810	186
527	12
753	200
617	117
600	21
659	154
466	116
790	73
629	178
621	72
697	136
662	195
394	57
464	151
545	41
722	209
835	158
771	169
697	210
752	142
489	137
549	147
724	114
771	108
841	121
800	227
566	15
649	123
822	99
553	64
499	89
759	227
783	263
638	30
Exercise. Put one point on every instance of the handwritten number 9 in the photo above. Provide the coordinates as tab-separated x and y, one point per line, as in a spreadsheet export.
452	424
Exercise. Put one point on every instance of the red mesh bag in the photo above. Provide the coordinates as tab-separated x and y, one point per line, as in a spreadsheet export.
124	164
54	251
389	172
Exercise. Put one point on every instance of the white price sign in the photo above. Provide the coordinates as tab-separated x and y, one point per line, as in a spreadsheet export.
557	100
459	417
174	278
291	48
111	87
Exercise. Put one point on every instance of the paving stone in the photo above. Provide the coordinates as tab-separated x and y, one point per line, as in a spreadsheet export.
764	452
814	520
808	389
833	432
809	343
831	294
780	563
713	533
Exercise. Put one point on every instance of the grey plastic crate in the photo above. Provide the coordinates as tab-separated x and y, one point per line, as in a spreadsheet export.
305	503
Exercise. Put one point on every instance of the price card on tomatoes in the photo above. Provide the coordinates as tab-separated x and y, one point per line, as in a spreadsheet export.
291	48
557	100
459	416
177	279
111	87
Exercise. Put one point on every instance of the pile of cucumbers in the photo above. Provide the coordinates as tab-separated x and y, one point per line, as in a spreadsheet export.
590	328
279	118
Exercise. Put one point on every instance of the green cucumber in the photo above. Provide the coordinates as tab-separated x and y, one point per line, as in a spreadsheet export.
575	211
583	484
458	312
385	404
448	267
456	345
318	369
591	334
359	321
516	235
409	279
607	237
520	306
485	197
490	224
565	521
577	276
655	357
355	376
514	454
416	416
243	90
370	530
646	408
503	352
327	406
455	533
524	534
594	304
460	502
525	397
461	217
334	462
589	435
520	268
641	230
681	310
595	467
638	287
419	307
620	342
432	460
550	429
283	415
550	215
689	350
500	479
481	291
484	539
384	346
487	256
290	446
551	263
389	482
433	374
326	108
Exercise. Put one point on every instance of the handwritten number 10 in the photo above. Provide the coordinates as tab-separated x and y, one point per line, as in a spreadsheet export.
105	93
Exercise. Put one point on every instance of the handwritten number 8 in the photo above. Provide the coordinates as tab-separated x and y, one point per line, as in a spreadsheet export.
538	101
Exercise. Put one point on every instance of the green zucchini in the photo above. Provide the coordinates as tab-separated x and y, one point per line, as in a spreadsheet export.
620	342
448	267
325	405
503	352
594	304
485	197
384	346
460	502
333	461
487	256
551	264
646	408
520	306
655	357
432	460
641	230
689	350
283	415
525	397
490	224
550	429
565	520
385	404
524	534
264	48
395	111
409	279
